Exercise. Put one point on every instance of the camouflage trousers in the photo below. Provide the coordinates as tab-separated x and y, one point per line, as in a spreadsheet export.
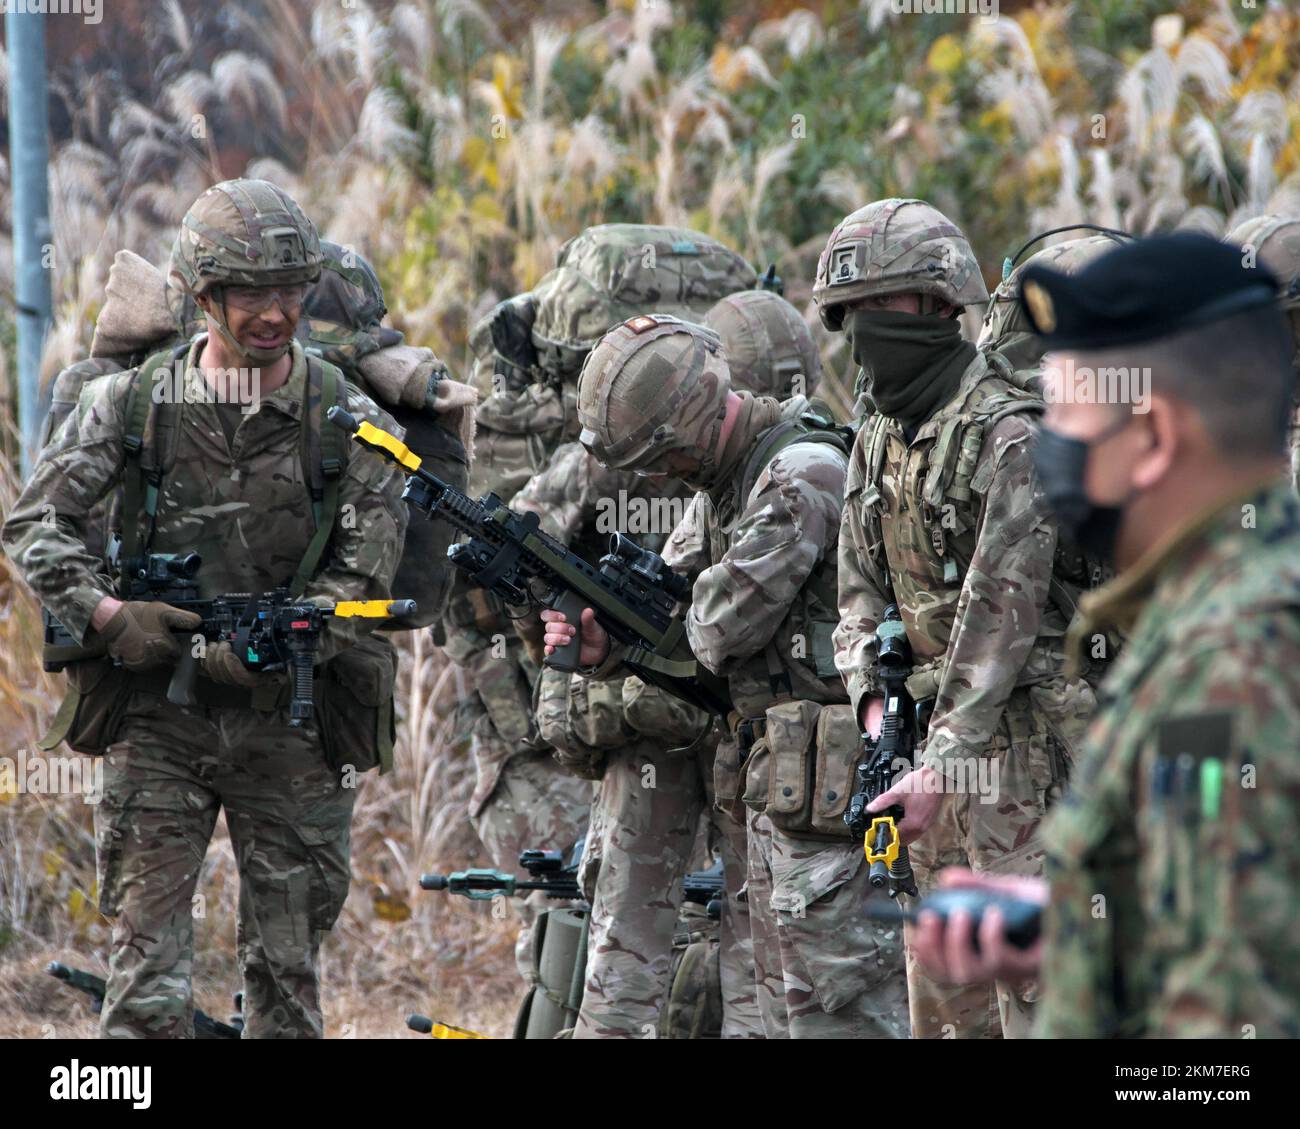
289	814
823	970
996	833
644	825
535	803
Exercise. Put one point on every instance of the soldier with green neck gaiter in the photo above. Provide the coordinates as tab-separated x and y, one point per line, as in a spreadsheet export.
944	517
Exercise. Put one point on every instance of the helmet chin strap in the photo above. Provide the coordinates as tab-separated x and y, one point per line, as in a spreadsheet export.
249	356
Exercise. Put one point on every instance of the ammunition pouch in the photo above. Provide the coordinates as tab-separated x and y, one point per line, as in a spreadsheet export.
354	705
581	720
801	770
693	1009
92	709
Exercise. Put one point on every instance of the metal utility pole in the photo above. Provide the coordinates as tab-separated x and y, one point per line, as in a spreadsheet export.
29	152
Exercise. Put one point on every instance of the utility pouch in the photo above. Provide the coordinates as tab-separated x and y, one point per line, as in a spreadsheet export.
814	750
354	705
92	709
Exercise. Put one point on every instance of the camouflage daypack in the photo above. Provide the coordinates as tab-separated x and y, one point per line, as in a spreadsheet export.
615	271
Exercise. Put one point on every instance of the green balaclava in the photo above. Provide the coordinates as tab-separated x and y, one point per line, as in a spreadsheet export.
911	363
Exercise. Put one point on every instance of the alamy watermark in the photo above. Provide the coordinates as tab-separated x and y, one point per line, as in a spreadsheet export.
638	515
241	386
986	10
1064	382
53	776
92	11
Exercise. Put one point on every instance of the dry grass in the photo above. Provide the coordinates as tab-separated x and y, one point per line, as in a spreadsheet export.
457	144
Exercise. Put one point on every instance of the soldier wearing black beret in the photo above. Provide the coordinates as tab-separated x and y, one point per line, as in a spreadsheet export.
1173	907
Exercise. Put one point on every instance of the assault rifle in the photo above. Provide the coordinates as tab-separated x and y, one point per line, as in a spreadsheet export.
705	888
886	757
634	594
556	874
269	631
553	872
205	1027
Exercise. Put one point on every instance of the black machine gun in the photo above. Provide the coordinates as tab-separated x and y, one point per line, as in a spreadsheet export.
634	594
205	1027
885	758
706	888
269	631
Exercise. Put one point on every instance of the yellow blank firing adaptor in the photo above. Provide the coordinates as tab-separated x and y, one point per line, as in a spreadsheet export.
377	437
371	609
890	854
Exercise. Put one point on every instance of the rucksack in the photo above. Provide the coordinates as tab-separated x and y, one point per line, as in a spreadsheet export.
615	271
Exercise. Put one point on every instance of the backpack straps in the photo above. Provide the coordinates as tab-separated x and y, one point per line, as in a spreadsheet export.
322	450
143	468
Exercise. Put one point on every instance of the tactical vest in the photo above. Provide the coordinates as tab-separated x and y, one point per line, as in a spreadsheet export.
930	539
799	660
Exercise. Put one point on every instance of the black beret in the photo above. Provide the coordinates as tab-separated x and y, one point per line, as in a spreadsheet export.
1143	291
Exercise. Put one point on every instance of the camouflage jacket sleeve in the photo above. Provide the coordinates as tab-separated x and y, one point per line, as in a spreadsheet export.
1198	877
563	494
688	548
369	531
862	603
790	522
46	531
1001	604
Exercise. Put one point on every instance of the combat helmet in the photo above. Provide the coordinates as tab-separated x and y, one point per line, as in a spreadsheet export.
895	247
654	386
242	233
767	344
1006	330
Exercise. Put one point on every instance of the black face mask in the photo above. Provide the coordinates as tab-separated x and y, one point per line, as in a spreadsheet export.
1062	465
911	363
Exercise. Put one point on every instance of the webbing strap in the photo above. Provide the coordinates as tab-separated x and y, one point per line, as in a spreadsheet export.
323	440
140	479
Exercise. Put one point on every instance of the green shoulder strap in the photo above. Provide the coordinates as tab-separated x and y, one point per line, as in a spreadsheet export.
143	470
322	459
811	427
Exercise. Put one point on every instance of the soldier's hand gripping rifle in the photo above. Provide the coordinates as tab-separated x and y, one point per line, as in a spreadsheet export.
885	758
268	631
205	1027
634	594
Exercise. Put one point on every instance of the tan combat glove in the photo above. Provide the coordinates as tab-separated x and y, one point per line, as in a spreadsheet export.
141	633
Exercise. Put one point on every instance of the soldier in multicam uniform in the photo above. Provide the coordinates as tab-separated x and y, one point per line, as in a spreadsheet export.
625	733
530	350
1172	860
1006	329
1275	242
759	544
944	517
234	490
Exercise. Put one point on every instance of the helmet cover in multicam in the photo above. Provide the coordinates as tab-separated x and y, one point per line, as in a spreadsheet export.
243	233
616	271
343	313
1275	241
767	344
653	393
895	247
1006	329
